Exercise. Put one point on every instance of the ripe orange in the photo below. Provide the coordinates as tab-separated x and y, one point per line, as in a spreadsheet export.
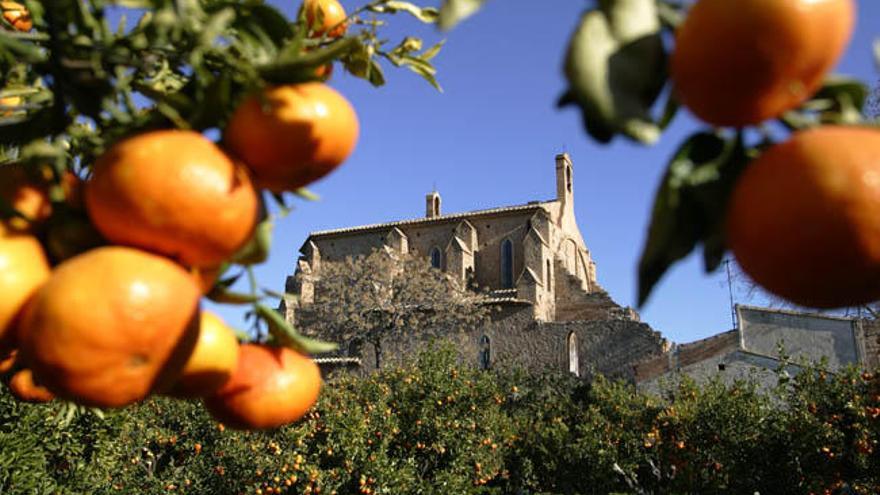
17	15
331	14
24	387
804	218
206	277
8	360
175	193
212	362
110	326
24	194
9	101
23	269
293	135
741	62
271	386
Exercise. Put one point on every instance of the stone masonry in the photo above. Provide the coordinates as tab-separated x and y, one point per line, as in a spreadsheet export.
533	261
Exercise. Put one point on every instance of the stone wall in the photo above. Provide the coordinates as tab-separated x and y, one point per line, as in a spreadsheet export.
608	347
871	335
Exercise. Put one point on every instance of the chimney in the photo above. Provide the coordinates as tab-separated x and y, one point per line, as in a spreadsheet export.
432	205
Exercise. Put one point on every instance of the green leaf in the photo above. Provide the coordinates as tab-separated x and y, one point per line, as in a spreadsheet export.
306	195
223	295
846	99
286	335
616	67
689	207
428	15
454	11
257	249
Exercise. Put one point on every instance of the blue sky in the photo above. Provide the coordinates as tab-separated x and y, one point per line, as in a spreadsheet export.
489	140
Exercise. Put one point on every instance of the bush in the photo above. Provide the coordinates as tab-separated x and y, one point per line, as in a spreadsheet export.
435	426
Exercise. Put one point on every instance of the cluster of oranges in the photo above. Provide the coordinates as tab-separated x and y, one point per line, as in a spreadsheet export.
804	218
118	318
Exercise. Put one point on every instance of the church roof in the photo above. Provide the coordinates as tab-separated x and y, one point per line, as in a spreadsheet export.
416	221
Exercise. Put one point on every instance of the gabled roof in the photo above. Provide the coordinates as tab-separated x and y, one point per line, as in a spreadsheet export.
458	242
535	205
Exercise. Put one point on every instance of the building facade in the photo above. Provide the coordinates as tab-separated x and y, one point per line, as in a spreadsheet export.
534	263
755	348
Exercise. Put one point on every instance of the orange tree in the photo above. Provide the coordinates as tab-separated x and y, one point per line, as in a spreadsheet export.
118	213
757	73
436	426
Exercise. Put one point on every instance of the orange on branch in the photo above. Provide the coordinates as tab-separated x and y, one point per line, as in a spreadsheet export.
738	63
110	326
174	193
17	16
271	386
293	135
331	15
8	359
27	196
23	269
24	387
804	218
211	363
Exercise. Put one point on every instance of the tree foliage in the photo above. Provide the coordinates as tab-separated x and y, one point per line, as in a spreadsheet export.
387	295
433	426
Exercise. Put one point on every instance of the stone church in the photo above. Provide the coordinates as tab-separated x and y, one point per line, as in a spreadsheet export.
552	312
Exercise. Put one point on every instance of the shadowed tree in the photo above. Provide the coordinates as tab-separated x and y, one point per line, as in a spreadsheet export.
384	295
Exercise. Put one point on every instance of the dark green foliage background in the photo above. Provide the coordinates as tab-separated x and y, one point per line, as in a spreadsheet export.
435	426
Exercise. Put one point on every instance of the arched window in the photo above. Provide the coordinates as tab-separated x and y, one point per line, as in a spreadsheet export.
573	365
436	259
568	178
484	357
507	264
437	205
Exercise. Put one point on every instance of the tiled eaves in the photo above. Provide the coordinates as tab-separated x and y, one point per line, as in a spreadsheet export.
442	218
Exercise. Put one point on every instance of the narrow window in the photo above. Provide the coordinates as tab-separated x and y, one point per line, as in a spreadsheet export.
435	257
484	356
573	365
568	178
507	264
549	283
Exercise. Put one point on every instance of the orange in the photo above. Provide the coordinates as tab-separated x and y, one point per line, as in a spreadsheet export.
24	387
8	360
212	362
17	15
174	193
9	101
330	13
738	63
206	277
804	218
271	386
293	135
25	195
23	269
110	326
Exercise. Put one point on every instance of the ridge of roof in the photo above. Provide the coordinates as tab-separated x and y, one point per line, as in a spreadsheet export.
415	221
